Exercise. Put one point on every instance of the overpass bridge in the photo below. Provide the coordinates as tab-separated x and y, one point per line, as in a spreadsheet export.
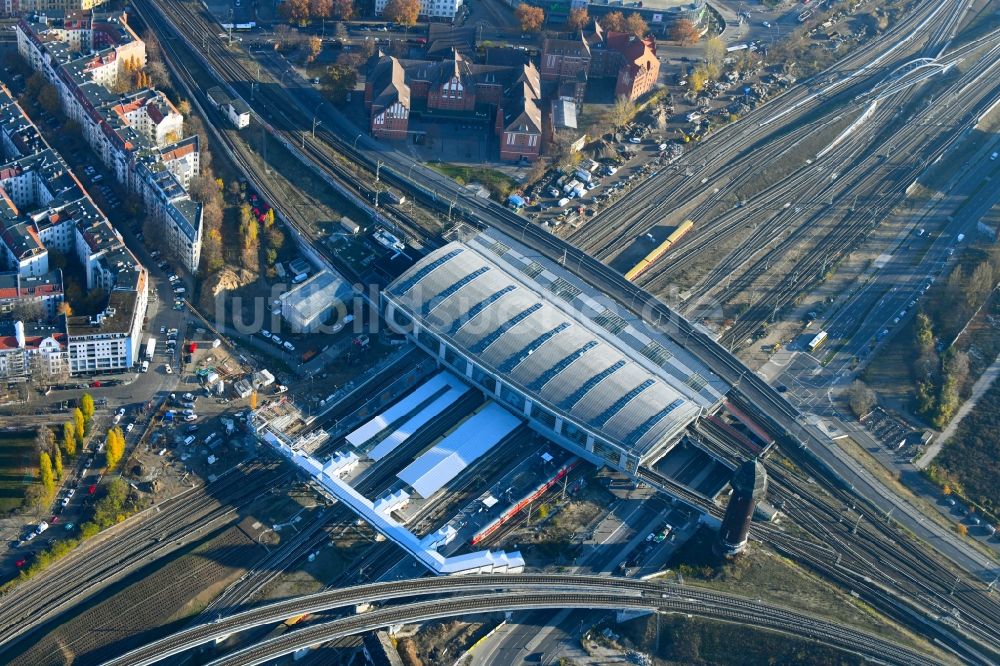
492	593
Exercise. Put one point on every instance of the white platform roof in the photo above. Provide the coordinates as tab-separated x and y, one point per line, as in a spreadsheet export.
469	441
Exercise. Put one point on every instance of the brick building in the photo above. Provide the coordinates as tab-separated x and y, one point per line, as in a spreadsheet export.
452	89
570	63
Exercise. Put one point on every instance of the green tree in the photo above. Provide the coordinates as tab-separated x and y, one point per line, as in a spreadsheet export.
69	438
338	80
46	477
87	409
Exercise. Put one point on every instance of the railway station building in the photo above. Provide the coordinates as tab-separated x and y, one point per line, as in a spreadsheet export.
535	338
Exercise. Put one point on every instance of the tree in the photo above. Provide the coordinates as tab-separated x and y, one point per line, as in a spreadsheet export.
87	408
65	309
295	11
269	218
78	425
57	463
338	80
980	285
861	398
529	17
45	440
622	112
46	477
343	9
48	99
320	8
158	74
697	79
635	25
578	19
403	12
315	48
614	22
961	529
184	107
684	32
114	447
715	52
69	438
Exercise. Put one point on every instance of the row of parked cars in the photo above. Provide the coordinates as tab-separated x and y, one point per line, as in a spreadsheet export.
276	339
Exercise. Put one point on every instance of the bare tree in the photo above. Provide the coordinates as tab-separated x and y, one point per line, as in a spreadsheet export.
862	399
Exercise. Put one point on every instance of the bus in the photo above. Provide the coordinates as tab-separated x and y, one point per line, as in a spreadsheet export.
817	341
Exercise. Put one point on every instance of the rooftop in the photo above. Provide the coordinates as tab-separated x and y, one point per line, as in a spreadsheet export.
544	331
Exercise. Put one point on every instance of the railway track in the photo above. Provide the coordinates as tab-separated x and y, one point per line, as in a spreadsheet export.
978	92
721	214
288	128
518	585
733	153
884	568
764	403
134	543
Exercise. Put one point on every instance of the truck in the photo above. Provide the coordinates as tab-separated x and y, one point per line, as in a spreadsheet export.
150	348
583	176
570	186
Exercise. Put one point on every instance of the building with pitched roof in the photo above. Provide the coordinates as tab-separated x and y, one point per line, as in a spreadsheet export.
594	54
137	135
452	89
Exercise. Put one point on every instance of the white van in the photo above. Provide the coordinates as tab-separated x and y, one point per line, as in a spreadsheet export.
145	366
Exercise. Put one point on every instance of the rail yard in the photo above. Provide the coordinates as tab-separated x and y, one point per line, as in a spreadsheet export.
528	417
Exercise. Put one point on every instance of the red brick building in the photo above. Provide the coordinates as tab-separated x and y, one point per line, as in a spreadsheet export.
454	88
594	54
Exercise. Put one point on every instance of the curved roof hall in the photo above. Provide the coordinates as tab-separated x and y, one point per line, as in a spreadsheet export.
559	360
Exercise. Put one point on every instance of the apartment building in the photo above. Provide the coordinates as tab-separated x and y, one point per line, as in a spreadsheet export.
430	9
137	135
43	207
32	350
19	7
